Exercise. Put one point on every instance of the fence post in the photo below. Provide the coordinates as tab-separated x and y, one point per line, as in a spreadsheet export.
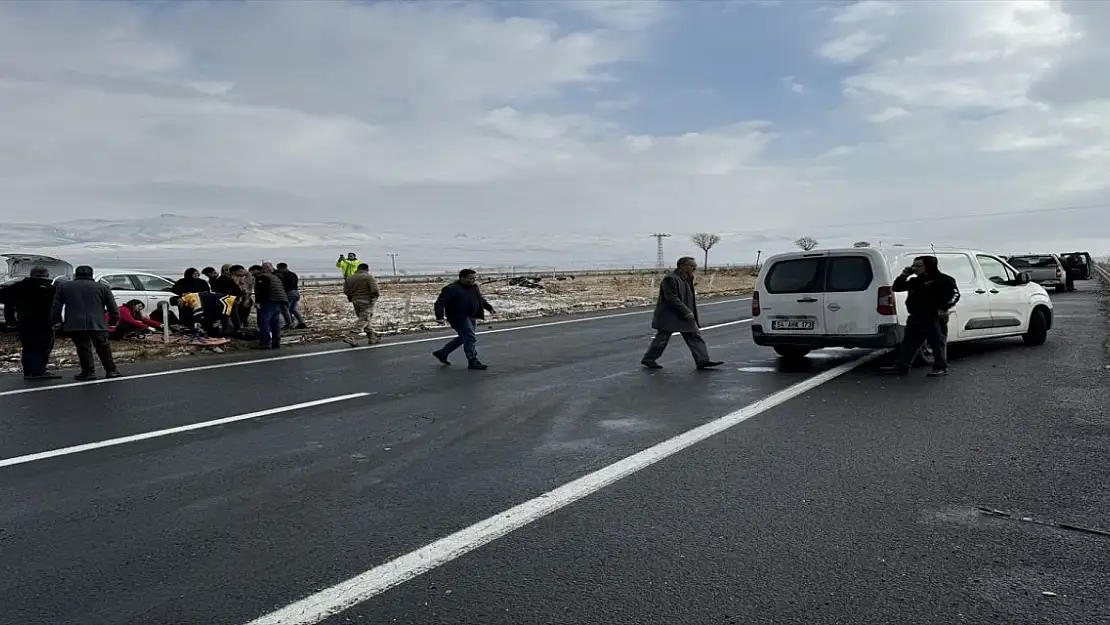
165	306
712	279
408	308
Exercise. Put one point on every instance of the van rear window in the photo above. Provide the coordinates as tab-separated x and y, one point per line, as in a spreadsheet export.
834	274
798	275
848	273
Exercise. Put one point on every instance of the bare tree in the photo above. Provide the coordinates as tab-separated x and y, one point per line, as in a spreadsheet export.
806	243
862	244
706	241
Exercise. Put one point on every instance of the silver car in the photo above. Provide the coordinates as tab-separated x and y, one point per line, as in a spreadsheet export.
1046	270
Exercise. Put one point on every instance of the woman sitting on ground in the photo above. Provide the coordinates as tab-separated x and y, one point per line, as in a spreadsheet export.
132	321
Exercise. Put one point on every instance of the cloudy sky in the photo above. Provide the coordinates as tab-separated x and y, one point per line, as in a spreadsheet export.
905	120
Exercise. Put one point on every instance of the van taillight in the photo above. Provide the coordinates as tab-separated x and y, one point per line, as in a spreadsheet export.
755	304
886	305
1059	272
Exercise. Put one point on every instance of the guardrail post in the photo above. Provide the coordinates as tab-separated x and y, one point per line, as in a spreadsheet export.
165	306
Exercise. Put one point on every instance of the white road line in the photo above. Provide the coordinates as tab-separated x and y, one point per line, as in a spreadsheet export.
76	449
341	350
344	595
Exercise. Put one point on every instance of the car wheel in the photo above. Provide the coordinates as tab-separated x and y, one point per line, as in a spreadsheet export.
1060	288
1038	329
791	352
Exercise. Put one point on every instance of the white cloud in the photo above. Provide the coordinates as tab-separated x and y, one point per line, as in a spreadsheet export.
795	86
453	116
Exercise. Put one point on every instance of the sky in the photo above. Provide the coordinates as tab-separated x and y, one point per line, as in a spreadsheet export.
964	123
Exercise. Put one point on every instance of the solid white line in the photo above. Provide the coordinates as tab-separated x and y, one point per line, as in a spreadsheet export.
76	449
341	350
344	595
722	325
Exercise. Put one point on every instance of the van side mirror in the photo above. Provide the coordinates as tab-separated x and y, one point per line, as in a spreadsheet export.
1023	278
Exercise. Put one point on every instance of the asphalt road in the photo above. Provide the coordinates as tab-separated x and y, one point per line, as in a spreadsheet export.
854	502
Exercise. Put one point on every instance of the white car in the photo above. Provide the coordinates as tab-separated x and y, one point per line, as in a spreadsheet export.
128	284
844	298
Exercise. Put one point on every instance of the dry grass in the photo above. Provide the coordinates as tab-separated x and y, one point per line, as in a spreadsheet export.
407	308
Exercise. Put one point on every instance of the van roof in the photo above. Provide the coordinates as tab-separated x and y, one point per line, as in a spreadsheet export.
887	252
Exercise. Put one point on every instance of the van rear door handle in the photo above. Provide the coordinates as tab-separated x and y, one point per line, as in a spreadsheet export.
980	291
994	290
807	300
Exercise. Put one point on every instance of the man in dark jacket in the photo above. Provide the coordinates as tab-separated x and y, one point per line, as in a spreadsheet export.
930	294
293	293
82	303
677	311
33	301
460	304
269	292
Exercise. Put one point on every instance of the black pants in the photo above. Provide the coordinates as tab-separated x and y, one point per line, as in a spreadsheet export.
920	329
698	349
89	342
37	345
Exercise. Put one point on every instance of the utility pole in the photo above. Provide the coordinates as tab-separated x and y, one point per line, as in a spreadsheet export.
660	260
393	257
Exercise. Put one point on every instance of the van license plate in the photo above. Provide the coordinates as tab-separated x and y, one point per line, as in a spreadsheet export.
793	324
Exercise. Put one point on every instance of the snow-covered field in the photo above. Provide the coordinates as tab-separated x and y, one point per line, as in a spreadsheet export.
408	308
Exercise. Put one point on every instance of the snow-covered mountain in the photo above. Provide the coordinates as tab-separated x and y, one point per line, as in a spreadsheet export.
180	232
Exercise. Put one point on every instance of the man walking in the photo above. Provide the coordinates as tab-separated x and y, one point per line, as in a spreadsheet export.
362	292
677	311
269	292
33	301
80	306
291	281
460	304
930	294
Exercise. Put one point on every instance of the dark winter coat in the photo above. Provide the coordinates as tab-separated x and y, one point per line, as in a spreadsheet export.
677	308
84	302
268	289
459	303
33	301
289	279
927	295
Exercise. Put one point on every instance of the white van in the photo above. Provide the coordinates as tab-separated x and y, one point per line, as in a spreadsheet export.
843	298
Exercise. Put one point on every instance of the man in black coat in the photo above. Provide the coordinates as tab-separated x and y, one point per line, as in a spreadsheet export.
460	304
677	311
33	301
86	309
930	294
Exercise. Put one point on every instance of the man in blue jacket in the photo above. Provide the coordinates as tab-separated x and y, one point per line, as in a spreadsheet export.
460	304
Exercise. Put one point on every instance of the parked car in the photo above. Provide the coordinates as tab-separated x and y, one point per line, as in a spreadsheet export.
844	298
1079	264
1046	270
128	284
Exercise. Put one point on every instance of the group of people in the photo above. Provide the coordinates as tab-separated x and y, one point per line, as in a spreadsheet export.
221	302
